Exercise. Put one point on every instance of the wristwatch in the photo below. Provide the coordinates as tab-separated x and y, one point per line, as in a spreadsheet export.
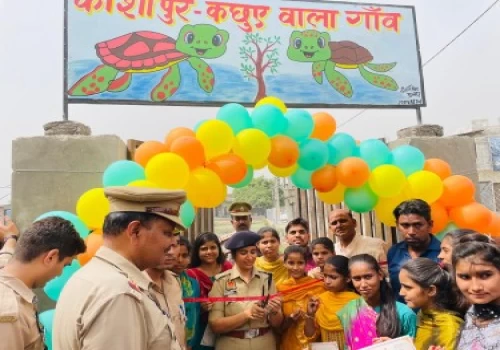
16	237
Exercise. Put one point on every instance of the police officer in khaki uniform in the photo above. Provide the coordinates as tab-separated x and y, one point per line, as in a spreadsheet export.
167	289
241	219
244	325
108	303
41	254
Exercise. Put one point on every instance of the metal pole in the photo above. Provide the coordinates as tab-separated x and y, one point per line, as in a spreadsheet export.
65	61
419	116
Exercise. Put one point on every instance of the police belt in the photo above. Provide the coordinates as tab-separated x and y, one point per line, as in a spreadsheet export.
248	333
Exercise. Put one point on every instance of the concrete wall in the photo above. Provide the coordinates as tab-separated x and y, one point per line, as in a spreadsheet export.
51	172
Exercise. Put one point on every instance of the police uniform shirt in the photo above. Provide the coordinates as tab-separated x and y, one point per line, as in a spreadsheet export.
107	305
231	284
19	327
169	294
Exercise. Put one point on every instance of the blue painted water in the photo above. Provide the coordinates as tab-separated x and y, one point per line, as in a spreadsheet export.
231	85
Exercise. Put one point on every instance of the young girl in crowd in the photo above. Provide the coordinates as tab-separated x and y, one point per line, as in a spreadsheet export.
425	286
207	260
455	237
377	316
321	318
297	290
321	249
271	261
190	289
477	273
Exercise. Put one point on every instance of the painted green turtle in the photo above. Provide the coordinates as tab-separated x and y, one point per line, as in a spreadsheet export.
145	52
326	55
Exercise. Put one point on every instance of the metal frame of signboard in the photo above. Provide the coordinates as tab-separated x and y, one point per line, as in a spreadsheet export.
67	100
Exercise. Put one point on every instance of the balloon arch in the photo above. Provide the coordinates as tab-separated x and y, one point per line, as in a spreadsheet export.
225	151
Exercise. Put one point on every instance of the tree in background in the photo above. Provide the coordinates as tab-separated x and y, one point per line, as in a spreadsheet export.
259	193
259	54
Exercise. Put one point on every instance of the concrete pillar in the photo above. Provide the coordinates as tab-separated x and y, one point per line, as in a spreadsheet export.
51	172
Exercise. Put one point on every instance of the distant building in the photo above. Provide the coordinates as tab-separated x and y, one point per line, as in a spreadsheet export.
487	139
5	210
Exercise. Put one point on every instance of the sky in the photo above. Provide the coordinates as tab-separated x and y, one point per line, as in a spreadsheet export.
461	84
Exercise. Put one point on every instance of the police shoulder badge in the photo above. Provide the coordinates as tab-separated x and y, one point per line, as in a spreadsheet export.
230	285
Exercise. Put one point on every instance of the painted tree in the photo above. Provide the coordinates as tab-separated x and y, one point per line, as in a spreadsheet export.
259	55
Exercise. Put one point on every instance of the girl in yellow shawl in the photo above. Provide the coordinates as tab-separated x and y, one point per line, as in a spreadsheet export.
424	285
321	318
296	292
271	261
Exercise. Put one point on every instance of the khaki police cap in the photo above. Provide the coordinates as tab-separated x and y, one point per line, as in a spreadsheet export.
165	203
240	209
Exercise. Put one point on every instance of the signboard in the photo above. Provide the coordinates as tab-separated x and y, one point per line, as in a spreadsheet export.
207	52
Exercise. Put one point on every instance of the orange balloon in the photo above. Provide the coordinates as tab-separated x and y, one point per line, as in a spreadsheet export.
439	216
230	168
93	242
189	148
324	126
438	167
473	216
494	228
324	179
148	150
284	151
353	172
458	190
175	133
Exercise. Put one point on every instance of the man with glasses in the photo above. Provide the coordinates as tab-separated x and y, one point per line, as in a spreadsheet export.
413	220
241	219
343	226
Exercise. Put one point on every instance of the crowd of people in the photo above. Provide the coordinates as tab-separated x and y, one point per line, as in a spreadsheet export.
148	287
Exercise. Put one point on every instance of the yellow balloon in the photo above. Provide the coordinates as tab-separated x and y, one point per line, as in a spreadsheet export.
216	136
205	189
253	146
168	170
334	196
387	181
261	165
425	185
92	207
271	100
282	172
143	183
385	207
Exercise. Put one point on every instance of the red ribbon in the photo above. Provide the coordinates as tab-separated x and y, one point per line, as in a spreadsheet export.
249	298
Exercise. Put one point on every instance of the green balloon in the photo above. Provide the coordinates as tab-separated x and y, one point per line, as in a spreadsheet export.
54	287
122	172
313	154
375	153
79	225
187	213
246	181
236	116
450	227
300	124
269	119
47	320
361	199
302	179
408	158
